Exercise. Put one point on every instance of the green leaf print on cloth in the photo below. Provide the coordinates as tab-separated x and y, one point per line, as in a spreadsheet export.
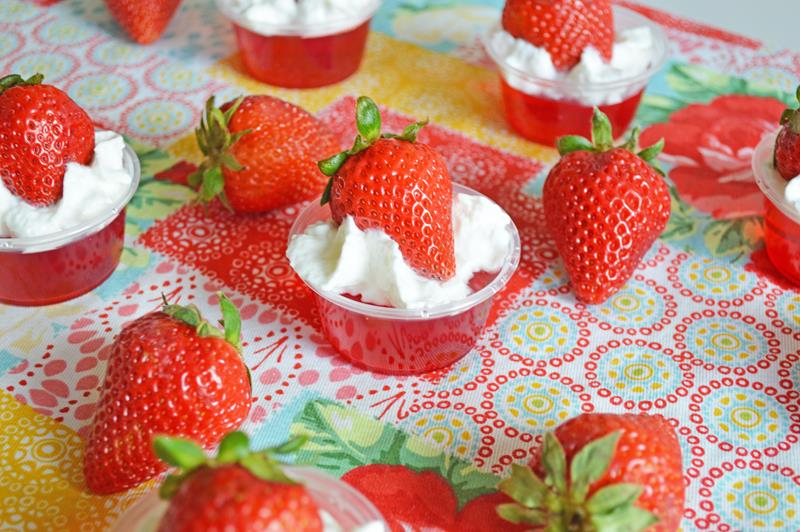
341	438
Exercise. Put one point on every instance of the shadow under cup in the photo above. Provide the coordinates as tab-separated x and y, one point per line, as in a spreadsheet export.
408	341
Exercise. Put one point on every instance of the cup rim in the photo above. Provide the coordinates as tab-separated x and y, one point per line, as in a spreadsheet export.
330	27
437	311
768	179
36	244
659	38
150	502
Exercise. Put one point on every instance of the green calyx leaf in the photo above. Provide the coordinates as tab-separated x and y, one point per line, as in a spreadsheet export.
15	80
179	452
591	463
215	140
190	315
368	124
187	457
368	119
602	140
790	117
559	501
231	321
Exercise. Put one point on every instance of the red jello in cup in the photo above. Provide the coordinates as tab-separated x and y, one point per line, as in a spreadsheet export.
342	504
401	341
301	56
52	268
542	109
781	219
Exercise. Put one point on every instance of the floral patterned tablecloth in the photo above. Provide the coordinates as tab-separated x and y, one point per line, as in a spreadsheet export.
705	333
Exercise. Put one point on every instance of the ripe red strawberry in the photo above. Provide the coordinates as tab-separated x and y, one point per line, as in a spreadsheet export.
393	183
602	472
42	131
408	500
604	206
169	372
238	491
143	20
562	27
479	515
787	145
262	151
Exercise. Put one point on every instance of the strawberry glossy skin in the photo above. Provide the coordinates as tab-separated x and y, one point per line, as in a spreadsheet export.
279	155
143	20
229	498
404	189
408	500
604	211
42	130
161	379
562	27
648	454
480	515
787	153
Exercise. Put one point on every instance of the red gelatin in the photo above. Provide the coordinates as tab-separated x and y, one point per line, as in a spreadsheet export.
543	119
298	62
781	219
47	277
782	238
407	341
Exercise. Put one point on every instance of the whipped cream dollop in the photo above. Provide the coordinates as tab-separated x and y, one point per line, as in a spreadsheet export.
634	50
347	260
88	191
311	17
792	193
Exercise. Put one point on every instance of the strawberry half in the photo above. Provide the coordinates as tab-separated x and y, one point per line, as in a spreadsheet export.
42	130
601	472
562	27
238	490
169	372
261	154
393	183
787	144
604	206
143	20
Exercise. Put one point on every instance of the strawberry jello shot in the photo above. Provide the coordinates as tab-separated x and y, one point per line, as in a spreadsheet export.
63	194
403	263
558	60
300	43
782	211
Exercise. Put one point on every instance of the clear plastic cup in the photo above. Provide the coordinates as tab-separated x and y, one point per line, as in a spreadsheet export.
300	57
781	219
542	110
343	503
407	341
57	267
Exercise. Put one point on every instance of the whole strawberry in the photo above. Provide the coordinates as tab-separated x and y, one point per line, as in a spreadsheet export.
238	491
42	130
604	206
143	20
562	27
169	372
393	183
261	154
602	472
787	145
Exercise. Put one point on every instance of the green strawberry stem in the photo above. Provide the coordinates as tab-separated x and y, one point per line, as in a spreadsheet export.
790	117
602	140
368	124
190	315
234	448
15	80
215	141
559	501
